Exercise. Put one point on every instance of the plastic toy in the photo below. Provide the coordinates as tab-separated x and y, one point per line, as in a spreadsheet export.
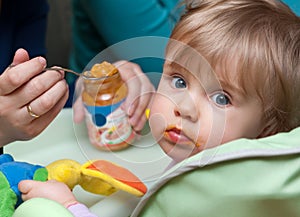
99	177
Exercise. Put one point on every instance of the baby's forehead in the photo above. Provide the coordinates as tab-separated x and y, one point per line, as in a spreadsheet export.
203	70
197	65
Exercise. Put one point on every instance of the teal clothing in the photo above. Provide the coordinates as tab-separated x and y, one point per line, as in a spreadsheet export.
294	5
99	24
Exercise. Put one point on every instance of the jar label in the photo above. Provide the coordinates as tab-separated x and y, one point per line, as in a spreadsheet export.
108	126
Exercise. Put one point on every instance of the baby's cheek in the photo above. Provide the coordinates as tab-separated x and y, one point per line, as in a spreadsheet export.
157	124
160	115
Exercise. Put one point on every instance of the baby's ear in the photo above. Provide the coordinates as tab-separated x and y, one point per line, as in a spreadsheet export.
268	130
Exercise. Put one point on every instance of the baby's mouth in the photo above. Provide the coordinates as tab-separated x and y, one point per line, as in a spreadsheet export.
177	136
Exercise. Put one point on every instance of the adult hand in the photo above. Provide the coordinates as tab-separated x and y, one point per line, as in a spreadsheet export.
30	100
52	190
140	91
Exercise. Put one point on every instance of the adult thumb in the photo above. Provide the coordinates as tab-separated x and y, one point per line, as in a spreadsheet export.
21	55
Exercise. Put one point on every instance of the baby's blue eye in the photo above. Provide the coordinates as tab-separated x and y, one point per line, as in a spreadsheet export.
220	99
178	82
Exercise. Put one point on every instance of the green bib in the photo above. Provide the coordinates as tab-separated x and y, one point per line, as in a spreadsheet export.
243	178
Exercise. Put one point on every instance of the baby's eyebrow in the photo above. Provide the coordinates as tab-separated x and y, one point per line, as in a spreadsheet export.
233	89
174	65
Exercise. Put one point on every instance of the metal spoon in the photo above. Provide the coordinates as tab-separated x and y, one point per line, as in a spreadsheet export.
84	75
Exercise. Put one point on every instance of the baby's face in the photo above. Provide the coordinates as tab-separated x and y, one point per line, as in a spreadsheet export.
195	111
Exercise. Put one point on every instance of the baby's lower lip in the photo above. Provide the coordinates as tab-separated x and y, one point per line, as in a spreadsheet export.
177	137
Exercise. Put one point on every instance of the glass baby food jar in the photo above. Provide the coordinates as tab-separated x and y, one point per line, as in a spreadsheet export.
107	124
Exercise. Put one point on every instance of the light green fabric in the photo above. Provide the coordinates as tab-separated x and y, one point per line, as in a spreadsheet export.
40	207
244	178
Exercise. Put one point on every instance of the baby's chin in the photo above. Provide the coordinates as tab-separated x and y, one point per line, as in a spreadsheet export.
178	152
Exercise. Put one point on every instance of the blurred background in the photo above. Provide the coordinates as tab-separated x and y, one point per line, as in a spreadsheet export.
59	32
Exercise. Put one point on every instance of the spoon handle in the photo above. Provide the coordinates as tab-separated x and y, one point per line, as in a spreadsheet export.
83	75
63	69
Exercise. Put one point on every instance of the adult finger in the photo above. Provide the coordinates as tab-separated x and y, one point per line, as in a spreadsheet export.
37	125
46	102
139	96
35	87
131	74
21	56
78	110
138	118
16	76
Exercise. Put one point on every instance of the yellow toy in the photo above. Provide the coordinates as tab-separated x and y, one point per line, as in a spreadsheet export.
99	177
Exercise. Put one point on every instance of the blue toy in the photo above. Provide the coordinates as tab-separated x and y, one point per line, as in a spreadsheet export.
11	173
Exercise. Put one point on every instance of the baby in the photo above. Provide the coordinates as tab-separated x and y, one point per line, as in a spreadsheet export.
232	71
250	91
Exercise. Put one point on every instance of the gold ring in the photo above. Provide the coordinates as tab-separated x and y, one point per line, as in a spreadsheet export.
30	112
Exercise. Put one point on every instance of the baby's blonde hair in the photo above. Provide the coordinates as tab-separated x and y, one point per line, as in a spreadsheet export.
263	37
